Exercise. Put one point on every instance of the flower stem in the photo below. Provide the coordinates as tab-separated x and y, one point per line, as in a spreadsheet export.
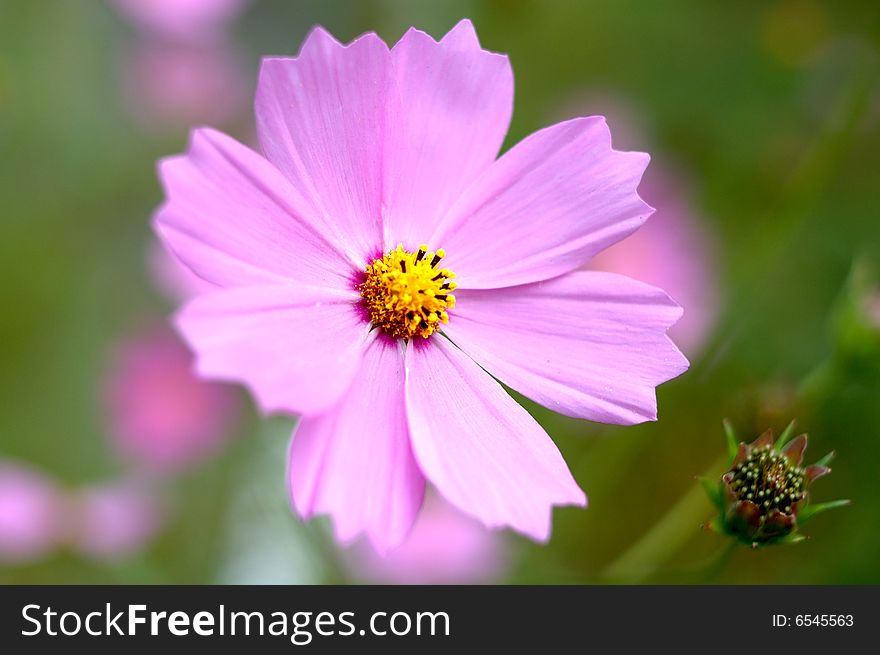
666	536
718	565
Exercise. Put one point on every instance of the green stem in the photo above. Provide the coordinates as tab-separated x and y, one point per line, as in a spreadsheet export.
720	563
666	536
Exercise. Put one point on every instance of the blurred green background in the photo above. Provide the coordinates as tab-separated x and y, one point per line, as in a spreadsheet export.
772	111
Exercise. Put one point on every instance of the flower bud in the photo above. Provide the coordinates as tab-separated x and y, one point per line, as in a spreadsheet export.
764	495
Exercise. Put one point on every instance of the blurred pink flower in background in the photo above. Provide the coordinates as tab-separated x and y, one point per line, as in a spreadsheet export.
161	416
674	249
185	20
114	520
38	518
873	309
32	513
184	68
444	547
172	84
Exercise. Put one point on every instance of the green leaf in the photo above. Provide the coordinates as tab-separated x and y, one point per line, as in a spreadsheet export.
785	436
732	441
810	511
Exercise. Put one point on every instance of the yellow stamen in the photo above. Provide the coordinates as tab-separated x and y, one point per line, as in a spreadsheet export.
406	294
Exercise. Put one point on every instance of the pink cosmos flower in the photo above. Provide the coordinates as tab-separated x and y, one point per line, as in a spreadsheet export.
444	547
161	416
31	513
334	306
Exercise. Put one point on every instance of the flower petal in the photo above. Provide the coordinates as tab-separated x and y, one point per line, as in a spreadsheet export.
321	121
764	441
587	344
544	208
815	471
484	453
296	348
777	524
794	450
233	219
355	461
744	518
450	113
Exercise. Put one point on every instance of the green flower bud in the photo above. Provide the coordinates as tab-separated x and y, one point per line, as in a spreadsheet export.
764	496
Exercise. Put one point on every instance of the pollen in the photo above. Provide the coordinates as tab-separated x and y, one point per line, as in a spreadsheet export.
407	294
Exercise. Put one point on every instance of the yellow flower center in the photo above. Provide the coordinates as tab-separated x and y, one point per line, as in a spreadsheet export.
406	294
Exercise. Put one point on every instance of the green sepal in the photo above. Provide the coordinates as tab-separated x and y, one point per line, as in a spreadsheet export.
825	461
713	490
732	441
785	436
810	511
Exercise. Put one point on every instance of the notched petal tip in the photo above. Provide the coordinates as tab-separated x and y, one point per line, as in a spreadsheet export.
578	499
463	30
319	36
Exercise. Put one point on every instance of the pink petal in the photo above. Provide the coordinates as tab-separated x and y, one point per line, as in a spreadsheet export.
794	449
233	219
815	471
355	462
296	348
484	453
766	439
587	344
321	121
545	208
449	116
